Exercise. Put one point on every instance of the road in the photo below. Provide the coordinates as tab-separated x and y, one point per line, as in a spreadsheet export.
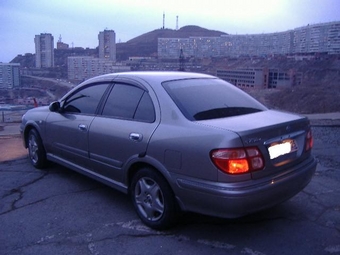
56	81
57	211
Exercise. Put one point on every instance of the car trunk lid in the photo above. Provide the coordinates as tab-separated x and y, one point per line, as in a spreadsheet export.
280	137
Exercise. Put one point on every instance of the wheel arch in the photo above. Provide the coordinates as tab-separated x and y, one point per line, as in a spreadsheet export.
27	129
147	162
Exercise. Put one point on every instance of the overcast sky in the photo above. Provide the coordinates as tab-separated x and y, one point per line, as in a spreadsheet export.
79	21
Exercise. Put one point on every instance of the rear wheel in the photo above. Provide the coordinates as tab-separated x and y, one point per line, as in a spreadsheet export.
36	150
153	199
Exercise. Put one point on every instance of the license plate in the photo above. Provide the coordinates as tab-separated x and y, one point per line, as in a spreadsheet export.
281	149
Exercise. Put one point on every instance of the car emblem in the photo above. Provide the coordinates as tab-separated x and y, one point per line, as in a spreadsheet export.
253	140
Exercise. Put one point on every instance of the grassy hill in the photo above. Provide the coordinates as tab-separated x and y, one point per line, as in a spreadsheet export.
146	44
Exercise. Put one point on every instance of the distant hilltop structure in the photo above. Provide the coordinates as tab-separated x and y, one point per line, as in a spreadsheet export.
311	39
61	45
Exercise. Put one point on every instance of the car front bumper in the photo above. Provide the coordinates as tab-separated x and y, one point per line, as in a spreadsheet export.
232	200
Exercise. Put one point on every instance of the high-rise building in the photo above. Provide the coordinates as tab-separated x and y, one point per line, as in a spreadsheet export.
107	45
9	75
44	50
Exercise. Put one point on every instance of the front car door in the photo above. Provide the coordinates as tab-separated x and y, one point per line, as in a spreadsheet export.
68	129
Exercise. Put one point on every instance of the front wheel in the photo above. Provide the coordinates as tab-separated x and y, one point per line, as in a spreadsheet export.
36	150
153	199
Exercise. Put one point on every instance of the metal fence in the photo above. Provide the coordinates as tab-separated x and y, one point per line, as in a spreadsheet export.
12	115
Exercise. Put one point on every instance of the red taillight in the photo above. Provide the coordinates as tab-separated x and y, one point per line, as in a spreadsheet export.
237	161
309	141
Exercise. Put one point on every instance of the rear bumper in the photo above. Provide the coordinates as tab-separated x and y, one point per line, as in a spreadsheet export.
232	200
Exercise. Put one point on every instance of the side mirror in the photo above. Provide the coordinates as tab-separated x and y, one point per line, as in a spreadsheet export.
55	106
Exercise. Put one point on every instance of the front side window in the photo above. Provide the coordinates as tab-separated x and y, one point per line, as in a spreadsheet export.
202	99
129	102
86	100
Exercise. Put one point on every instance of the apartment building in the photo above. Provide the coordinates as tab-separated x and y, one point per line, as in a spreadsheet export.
44	50
245	78
172	46
107	45
84	67
317	38
9	75
261	78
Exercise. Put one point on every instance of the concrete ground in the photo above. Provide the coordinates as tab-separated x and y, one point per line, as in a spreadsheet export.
11	145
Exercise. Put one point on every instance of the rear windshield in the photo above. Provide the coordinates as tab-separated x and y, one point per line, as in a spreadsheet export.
203	99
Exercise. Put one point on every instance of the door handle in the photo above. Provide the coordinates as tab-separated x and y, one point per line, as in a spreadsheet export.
82	127
136	137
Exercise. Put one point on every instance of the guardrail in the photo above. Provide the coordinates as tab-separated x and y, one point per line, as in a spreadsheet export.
12	115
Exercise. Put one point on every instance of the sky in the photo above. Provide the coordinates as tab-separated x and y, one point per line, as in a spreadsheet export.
78	22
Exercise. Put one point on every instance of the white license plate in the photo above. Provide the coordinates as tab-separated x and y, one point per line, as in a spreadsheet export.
281	149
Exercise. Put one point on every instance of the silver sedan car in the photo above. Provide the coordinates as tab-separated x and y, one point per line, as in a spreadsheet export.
175	141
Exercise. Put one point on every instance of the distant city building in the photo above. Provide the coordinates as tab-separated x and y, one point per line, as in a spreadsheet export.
61	45
261	78
44	50
311	39
9	75
138	59
83	67
107	45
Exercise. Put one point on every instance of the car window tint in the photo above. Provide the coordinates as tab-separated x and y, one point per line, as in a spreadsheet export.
86	100
201	99
129	102
145	110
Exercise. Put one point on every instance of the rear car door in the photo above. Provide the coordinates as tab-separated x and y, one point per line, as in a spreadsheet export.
123	130
68	129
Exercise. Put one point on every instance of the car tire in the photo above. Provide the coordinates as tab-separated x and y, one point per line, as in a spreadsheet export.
153	199
36	150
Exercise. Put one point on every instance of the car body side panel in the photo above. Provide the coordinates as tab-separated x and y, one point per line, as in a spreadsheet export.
184	149
67	136
34	118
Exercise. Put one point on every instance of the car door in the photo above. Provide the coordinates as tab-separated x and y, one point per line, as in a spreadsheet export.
122	131
68	129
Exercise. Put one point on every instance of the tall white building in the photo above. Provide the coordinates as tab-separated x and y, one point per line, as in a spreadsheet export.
9	75
107	45
44	50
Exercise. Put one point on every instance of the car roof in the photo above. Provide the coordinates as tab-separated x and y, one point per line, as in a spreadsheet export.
149	76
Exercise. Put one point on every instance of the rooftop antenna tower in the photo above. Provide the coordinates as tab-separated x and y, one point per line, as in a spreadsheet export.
177	22
163	19
59	38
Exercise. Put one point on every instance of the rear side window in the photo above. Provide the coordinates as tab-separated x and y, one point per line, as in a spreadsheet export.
202	99
129	102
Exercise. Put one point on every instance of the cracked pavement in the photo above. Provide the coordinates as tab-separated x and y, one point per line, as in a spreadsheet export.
57	211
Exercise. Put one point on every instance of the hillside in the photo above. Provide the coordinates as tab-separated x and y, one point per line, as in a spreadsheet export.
146	44
319	91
